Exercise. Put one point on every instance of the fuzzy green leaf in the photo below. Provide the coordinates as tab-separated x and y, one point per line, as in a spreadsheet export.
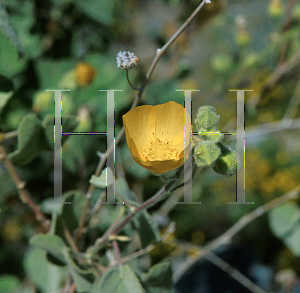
101	180
4	97
9	284
69	123
46	276
118	281
158	279
51	243
283	218
31	140
83	277
285	223
69	214
147	228
100	11
9	31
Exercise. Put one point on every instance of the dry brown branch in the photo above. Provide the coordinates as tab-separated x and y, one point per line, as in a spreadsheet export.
226	237
24	195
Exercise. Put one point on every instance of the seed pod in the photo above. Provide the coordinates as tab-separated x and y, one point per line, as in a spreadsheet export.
207	119
205	153
228	162
214	136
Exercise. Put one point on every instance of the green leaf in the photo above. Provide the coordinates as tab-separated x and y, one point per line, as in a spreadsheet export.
207	119
101	180
51	71
285	223
283	218
51	243
9	31
48	125
69	123
9	284
46	276
4	97
99	10
23	22
158	279
147	228
293	241
118	281
31	140
123	188
9	61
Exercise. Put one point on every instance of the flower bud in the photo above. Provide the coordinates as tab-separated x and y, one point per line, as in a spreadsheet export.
228	162
127	60
85	73
205	153
207	119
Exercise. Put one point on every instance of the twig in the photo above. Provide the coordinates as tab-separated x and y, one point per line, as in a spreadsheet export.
272	127
288	23
98	205
280	72
24	195
10	134
114	230
268	128
117	252
109	231
73	288
124	200
89	196
244	221
159	53
234	273
294	102
69	238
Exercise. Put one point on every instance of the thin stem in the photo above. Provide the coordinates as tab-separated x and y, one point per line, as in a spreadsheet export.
24	195
100	166
133	87
147	249
293	104
244	221
161	51
234	273
69	238
108	232
73	288
151	201
10	134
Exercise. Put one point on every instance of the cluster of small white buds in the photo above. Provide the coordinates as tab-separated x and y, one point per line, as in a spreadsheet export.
127	60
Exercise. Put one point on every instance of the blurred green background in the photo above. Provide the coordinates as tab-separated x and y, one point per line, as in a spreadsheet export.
249	44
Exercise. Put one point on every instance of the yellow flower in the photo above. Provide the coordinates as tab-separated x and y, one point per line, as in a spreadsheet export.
157	137
85	73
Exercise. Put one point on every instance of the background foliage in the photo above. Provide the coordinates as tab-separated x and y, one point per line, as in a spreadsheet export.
231	44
